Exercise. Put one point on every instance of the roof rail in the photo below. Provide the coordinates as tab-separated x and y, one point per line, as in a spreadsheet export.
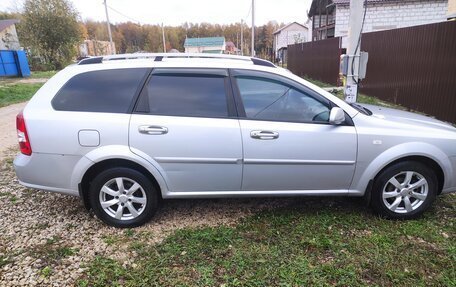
158	57
92	60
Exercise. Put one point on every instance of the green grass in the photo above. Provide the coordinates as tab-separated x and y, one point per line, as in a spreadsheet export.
16	93
42	74
311	243
46	272
318	83
363	99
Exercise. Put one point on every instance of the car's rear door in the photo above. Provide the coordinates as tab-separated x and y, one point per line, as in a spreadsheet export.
288	143
185	124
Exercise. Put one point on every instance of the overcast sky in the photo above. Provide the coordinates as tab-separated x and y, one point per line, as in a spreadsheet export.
176	12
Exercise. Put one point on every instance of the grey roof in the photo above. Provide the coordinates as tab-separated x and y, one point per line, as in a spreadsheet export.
286	26
6	23
204	42
321	6
347	2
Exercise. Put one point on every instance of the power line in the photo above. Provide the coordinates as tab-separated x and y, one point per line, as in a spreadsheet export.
120	13
248	14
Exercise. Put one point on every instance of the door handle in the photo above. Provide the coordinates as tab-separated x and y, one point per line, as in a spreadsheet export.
264	135
153	130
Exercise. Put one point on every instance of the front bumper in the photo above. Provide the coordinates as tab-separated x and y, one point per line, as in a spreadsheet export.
452	181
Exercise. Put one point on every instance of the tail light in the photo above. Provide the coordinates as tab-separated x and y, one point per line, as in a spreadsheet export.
22	136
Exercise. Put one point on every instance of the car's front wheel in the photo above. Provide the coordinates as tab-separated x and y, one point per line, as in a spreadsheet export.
123	197
404	190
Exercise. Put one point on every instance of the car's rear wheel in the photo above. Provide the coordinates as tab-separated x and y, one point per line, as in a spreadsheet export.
404	190
123	197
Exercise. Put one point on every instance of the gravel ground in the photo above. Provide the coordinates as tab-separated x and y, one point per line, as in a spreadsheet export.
46	238
8	135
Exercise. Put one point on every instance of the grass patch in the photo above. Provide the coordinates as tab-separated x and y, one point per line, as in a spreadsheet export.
42	74
16	93
5	260
46	272
52	251
312	243
318	83
362	99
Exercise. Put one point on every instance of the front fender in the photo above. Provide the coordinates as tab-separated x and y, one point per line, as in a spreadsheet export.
365	173
114	152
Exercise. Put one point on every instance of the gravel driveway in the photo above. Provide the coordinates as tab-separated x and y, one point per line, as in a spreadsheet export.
8	135
46	238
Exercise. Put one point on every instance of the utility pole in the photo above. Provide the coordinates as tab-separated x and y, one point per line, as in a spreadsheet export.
253	28
163	35
242	37
354	50
109	28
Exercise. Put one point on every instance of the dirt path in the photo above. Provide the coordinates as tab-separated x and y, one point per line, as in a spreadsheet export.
8	136
14	81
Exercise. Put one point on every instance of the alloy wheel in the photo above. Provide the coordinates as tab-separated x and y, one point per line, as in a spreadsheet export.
122	198
405	192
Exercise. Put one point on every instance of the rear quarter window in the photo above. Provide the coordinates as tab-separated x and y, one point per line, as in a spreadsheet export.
109	91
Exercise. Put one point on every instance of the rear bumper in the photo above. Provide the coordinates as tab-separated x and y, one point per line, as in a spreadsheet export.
50	188
46	172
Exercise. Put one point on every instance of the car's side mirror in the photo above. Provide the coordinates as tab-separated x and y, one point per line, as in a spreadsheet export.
336	116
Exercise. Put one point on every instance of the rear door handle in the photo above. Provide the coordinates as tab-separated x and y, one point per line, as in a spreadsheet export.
264	135
153	130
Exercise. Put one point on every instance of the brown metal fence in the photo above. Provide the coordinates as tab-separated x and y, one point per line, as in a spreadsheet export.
414	67
318	60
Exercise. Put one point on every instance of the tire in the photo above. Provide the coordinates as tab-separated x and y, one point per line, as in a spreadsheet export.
136	197
404	190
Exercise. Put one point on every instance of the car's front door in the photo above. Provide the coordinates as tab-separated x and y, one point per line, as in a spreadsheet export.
288	143
183	123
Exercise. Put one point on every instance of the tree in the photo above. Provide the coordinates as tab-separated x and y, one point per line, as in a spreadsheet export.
51	30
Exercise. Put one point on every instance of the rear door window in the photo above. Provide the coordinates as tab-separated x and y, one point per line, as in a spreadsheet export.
109	91
185	94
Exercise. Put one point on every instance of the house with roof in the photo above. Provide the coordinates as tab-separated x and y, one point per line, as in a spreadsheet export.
330	17
8	35
213	45
231	48
290	34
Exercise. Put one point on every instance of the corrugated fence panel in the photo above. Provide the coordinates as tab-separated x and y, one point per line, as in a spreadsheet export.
414	67
317	60
8	65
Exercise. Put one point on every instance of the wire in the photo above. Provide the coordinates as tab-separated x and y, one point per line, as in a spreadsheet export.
120	13
250	10
358	45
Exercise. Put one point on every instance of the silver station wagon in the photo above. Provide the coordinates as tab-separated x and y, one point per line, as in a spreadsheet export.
124	131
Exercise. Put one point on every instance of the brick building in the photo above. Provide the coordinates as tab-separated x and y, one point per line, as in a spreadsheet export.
330	17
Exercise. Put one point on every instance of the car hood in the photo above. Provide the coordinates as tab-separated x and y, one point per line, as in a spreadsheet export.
403	117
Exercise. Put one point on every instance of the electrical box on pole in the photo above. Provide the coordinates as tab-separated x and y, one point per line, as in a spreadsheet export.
362	69
352	66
